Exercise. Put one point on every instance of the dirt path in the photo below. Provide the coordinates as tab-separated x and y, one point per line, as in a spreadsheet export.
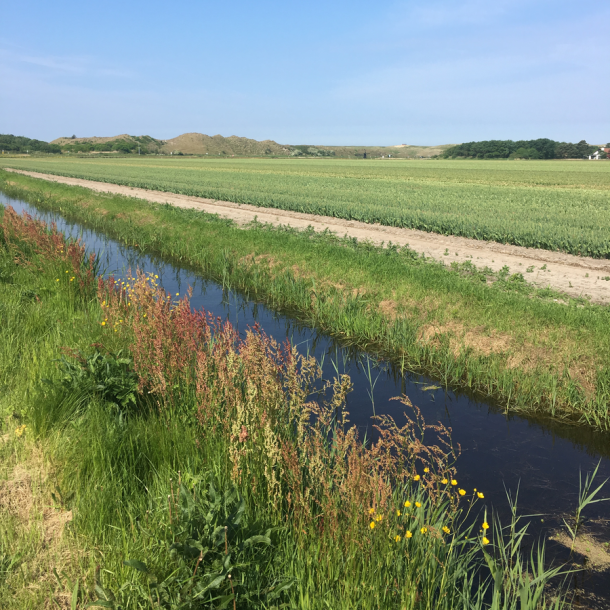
574	275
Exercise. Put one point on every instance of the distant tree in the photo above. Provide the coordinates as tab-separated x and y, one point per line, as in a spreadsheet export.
585	149
11	143
73	137
542	148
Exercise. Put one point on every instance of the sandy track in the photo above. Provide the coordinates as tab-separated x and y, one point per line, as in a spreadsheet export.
574	275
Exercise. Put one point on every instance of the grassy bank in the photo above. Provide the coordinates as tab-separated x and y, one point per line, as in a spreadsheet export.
554	205
152	458
492	334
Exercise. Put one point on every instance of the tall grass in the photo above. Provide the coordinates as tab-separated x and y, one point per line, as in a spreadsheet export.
227	483
551	359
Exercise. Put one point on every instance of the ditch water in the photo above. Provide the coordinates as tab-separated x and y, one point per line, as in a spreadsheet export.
540	459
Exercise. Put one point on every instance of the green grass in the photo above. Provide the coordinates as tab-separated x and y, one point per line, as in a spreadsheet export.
166	502
555	205
491	334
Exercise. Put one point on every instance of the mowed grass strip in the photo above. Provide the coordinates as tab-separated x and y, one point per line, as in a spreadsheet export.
554	205
496	336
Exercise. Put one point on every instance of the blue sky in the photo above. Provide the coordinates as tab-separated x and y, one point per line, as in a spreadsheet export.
333	72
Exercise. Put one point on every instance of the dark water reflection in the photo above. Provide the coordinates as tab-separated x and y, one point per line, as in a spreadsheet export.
499	452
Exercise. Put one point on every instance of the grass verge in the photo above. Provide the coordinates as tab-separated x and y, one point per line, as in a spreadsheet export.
529	350
173	464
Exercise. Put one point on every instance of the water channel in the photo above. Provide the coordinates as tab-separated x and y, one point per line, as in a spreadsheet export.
500	452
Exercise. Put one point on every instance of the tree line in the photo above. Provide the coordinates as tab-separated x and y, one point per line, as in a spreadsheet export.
21	144
543	148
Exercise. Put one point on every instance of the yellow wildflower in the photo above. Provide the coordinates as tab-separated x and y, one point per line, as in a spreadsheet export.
418	504
484	540
446	529
416	477
398	513
462	492
485	525
104	323
423	530
408	534
453	482
480	495
20	430
407	503
378	517
371	510
372	525
426	469
444	481
397	539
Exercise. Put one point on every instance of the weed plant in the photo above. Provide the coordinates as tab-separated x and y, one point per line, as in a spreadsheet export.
532	351
231	485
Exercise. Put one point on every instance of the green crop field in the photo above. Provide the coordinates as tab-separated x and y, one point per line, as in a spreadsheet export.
555	205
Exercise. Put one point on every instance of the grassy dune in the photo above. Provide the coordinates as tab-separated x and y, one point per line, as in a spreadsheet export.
555	205
152	458
492	334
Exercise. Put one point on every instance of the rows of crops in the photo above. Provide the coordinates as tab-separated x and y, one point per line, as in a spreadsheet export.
551	205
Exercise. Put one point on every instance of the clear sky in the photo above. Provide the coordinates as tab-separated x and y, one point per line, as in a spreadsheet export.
332	72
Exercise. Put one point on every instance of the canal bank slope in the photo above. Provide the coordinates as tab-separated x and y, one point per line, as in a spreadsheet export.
493	334
576	276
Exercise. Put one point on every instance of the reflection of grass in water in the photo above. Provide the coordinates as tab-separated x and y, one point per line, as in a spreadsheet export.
231	412
508	341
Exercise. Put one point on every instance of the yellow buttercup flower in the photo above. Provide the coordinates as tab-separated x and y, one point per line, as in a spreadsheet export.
426	469
104	323
378	517
480	495
416	477
423	530
398	539
408	534
398	513
462	492
453	482
444	481
446	530
20	430
418	504
484	540
407	503
371	510
485	525
372	525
